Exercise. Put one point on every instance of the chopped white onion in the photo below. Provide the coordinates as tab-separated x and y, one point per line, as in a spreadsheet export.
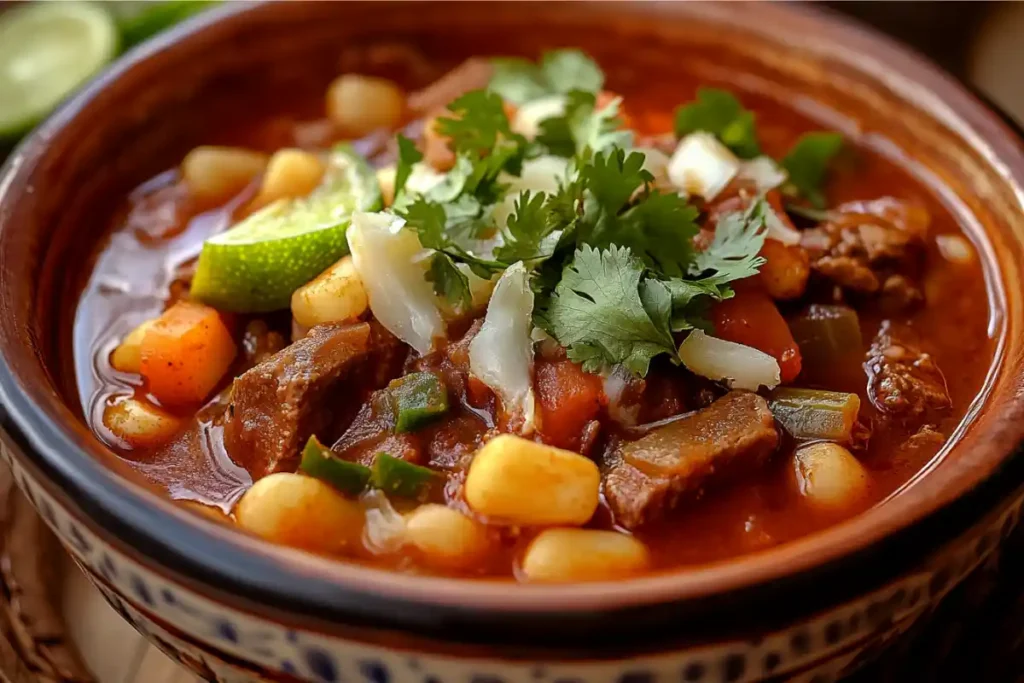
385	527
615	384
702	165
777	229
391	263
529	116
739	366
501	353
763	172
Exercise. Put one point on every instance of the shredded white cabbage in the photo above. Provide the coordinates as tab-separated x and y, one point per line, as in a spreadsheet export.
741	367
391	262
501	354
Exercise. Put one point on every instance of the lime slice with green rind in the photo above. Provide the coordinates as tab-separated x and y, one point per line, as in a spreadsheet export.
47	50
256	265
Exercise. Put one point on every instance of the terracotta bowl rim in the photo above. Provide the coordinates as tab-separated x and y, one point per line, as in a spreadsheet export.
246	572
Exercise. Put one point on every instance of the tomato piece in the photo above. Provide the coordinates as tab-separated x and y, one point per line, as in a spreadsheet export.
751	318
568	399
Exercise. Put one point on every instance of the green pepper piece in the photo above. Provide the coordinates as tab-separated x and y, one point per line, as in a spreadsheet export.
399	477
319	462
418	398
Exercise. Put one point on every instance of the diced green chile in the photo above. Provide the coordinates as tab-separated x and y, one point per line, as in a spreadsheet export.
418	398
319	462
398	477
815	413
828	337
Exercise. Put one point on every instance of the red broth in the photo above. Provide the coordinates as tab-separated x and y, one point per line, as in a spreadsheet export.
158	234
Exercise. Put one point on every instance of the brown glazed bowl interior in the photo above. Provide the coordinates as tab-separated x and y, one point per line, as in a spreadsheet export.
59	189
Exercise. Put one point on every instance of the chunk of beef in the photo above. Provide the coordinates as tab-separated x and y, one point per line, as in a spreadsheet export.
871	247
904	383
472	74
649	476
277	405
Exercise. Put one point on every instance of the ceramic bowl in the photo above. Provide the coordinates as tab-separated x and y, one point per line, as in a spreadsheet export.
235	609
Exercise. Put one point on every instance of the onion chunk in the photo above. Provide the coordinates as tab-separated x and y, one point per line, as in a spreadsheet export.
739	366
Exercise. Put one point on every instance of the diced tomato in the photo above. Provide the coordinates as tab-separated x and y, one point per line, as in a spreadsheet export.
751	318
185	353
569	398
604	98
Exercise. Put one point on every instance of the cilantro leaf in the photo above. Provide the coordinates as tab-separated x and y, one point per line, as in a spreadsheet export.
807	162
719	112
691	300
518	80
598	313
478	120
660	229
530	232
431	221
408	155
583	129
733	253
428	219
449	281
559	72
612	178
566	70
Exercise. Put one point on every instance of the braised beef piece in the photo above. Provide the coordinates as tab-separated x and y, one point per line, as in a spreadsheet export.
472	74
871	248
904	383
277	405
644	479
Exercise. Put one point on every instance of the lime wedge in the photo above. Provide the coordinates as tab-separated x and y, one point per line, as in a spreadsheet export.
141	19
47	49
256	265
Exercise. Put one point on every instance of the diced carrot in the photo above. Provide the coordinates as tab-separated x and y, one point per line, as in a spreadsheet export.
751	318
185	353
569	398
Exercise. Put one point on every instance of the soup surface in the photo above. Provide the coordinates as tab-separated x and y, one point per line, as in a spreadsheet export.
555	329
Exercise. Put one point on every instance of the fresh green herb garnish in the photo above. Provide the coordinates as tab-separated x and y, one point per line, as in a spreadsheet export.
608	308
807	163
733	253
597	312
719	112
559	72
408	156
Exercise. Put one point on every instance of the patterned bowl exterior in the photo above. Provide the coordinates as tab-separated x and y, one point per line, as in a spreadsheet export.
223	644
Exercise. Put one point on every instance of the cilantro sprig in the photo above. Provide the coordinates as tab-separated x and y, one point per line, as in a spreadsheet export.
613	262
807	165
559	72
719	112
